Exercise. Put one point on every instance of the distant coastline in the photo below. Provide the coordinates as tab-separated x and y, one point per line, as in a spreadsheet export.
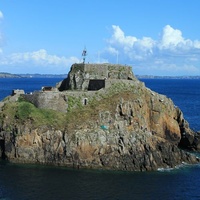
9	75
166	77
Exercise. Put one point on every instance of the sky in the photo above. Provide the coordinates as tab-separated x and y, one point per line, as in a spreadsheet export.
155	37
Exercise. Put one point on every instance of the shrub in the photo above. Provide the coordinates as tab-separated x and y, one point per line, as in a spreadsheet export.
74	102
24	110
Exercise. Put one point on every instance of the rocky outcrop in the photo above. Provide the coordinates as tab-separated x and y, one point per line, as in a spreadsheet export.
137	131
132	128
81	75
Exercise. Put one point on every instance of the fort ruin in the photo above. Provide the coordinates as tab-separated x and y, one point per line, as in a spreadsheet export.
84	81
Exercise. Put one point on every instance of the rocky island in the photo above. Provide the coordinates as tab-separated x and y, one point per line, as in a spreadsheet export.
101	116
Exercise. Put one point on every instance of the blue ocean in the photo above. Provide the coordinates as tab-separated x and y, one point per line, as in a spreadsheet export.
30	182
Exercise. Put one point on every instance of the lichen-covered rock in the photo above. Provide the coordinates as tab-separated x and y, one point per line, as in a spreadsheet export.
128	128
141	133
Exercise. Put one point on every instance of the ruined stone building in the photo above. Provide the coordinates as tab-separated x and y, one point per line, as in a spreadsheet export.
82	81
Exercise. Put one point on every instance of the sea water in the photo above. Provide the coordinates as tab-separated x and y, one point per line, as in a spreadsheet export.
29	182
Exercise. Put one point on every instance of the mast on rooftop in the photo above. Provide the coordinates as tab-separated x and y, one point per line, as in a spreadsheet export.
84	54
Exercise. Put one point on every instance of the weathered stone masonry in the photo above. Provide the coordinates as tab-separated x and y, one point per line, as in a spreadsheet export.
82	82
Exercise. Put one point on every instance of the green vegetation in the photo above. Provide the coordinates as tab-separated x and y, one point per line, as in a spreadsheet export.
122	69
25	113
22	112
90	113
74	102
119	88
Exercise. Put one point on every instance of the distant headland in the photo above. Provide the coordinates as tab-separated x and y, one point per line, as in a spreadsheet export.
10	75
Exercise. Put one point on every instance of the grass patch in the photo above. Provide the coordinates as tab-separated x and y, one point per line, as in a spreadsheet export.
25	113
74	102
22	112
90	113
48	117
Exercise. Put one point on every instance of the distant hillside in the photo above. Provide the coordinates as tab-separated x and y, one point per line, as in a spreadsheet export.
166	77
8	75
43	75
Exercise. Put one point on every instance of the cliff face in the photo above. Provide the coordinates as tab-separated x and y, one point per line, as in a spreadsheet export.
132	128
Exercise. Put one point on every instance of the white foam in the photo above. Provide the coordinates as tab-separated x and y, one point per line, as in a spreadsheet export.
168	169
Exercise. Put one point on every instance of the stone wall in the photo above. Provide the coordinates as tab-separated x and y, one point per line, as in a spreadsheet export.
17	92
49	100
56	100
80	75
83	80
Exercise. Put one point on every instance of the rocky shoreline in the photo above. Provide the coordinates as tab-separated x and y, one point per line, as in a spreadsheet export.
123	127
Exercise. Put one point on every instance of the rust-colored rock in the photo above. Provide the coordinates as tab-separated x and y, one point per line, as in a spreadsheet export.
127	127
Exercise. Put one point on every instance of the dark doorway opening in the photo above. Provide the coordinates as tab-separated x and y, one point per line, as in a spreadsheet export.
85	101
96	84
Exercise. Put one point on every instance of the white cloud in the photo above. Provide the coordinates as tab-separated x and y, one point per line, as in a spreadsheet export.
112	50
197	44
39	61
131	46
146	42
119	37
171	37
169	54
171	51
1	15
27	60
40	57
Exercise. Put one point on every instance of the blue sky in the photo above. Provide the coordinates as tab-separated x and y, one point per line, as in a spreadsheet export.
155	37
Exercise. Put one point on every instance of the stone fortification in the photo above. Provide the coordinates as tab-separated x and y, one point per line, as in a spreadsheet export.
93	76
82	82
122	125
47	99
